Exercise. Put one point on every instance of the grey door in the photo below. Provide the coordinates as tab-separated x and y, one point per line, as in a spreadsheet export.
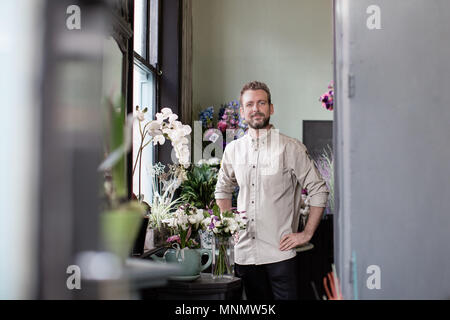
392	148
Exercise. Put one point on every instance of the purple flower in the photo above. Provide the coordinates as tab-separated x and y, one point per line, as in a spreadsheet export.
328	97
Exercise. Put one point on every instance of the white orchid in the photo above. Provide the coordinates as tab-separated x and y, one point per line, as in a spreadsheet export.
159	139
140	115
173	117
166	111
157	131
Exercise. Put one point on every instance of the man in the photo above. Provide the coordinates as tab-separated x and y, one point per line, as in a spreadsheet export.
270	169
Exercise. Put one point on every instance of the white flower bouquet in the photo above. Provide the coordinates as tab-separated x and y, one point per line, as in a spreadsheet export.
185	223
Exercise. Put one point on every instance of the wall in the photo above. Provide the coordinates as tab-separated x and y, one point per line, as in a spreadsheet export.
287	44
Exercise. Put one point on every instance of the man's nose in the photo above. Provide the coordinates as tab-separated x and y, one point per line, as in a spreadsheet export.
255	107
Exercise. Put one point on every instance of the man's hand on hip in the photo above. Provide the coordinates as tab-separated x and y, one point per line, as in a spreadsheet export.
293	240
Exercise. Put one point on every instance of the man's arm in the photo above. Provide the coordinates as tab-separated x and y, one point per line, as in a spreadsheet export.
309	178
226	181
224	204
293	240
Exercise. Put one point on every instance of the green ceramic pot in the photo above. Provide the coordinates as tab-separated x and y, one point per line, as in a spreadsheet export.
189	259
119	230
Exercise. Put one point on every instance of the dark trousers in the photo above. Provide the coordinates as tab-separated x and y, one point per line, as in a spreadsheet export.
273	281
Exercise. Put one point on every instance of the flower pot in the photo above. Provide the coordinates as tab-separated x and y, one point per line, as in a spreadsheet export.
189	260
119	229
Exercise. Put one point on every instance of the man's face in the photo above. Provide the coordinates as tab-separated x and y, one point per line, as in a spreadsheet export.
255	108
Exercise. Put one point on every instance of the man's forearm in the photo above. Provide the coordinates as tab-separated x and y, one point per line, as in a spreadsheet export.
224	204
315	215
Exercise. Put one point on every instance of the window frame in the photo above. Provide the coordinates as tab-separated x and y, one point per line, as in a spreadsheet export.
144	63
168	83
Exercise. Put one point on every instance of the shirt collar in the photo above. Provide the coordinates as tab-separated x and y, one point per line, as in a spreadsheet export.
263	134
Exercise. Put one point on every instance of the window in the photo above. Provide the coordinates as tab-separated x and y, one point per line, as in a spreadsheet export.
145	84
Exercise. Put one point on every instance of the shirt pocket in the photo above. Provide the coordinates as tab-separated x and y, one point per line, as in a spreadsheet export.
274	180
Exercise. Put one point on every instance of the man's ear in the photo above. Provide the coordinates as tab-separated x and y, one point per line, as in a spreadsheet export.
271	109
242	112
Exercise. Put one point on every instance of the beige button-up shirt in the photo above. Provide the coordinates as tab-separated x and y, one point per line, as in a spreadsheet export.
270	172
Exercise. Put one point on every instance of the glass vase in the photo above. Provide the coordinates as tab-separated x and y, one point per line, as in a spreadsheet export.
223	258
206	239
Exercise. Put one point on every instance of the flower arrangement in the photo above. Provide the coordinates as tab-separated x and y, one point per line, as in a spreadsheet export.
229	117
185	224
325	165
164	185
207	117
165	126
327	98
224	225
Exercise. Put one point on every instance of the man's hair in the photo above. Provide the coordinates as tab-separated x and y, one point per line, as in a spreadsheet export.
256	85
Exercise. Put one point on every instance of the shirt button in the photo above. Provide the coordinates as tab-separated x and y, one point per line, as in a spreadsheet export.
254	167
253	184
253	201
253	238
253	219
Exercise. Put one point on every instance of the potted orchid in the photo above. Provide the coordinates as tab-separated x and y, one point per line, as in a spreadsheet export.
164	127
225	227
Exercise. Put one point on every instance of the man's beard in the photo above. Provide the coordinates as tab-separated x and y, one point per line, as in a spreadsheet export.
260	125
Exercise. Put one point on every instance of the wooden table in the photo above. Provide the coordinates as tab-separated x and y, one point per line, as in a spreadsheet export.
204	288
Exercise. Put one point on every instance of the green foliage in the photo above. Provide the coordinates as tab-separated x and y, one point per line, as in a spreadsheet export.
116	139
216	210
198	189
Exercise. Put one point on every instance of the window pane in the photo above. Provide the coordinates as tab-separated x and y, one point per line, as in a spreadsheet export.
153	56
144	97
140	27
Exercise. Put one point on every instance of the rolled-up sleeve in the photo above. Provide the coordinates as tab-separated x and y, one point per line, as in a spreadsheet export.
308	175
226	181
